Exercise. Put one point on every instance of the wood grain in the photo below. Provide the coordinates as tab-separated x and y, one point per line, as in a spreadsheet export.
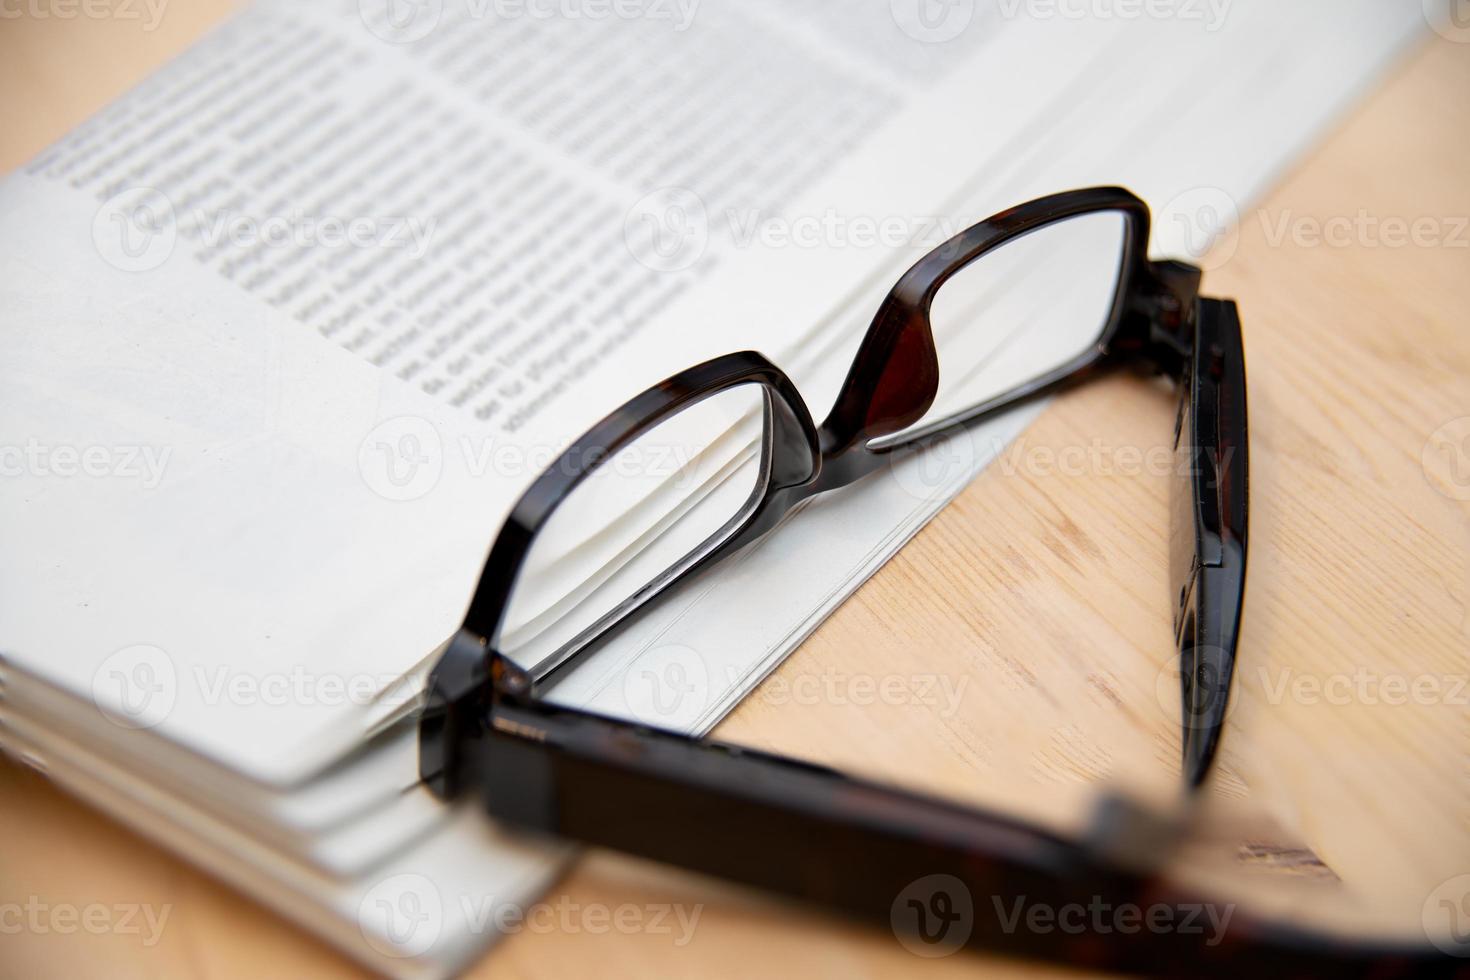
1038	598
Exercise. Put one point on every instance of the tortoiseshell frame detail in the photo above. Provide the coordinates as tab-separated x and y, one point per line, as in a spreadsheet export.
817	834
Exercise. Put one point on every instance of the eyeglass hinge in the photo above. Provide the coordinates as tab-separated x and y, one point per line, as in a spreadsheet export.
453	710
1168	305
1127	833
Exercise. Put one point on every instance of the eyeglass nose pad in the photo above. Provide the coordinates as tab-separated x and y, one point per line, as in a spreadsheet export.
795	447
893	379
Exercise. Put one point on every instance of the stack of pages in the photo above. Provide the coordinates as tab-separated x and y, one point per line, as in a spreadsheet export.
289	327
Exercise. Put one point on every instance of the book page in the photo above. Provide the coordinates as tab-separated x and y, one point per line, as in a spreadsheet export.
318	300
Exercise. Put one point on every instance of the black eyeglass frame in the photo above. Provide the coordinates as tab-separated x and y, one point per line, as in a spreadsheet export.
752	816
891	385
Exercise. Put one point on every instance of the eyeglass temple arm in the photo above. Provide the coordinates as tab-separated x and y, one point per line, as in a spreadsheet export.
871	851
1208	534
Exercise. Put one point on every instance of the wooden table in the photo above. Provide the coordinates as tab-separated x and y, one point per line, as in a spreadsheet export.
1344	790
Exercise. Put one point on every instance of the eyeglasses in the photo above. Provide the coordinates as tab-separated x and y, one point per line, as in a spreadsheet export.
1023	305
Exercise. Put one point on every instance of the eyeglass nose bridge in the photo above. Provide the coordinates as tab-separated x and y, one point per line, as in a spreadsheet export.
891	384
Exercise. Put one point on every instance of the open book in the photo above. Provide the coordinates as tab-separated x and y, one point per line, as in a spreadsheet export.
289	327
